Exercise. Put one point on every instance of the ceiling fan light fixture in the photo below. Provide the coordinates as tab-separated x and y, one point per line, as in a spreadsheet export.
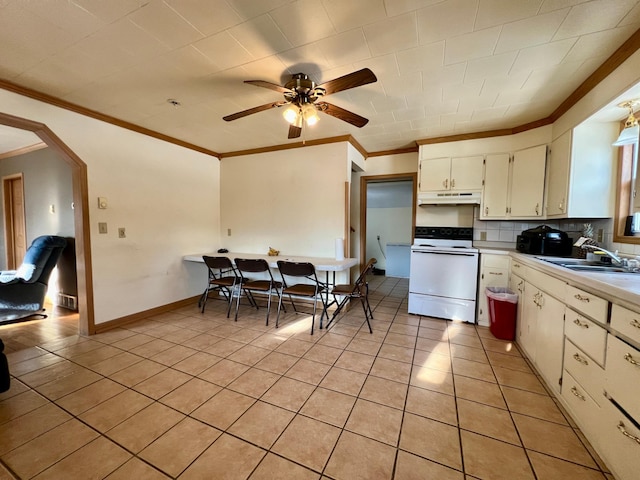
291	114
310	114
631	130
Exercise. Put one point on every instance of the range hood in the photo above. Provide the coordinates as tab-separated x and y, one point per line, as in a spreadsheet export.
449	198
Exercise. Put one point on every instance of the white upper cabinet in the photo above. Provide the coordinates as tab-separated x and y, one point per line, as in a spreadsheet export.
495	195
527	182
582	164
514	186
451	174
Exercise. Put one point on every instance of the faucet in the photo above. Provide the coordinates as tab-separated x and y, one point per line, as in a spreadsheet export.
613	256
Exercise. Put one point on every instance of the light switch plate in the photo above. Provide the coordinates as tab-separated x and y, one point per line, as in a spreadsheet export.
102	227
122	233
102	203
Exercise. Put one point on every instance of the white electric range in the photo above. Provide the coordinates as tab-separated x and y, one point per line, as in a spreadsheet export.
443	278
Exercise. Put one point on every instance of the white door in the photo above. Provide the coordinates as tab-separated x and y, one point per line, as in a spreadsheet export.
527	337
558	175
434	174
466	173
550	340
496	186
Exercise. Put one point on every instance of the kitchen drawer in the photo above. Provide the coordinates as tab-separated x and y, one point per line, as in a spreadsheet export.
495	261
588	335
587	303
626	322
622	375
584	370
583	408
518	268
619	442
551	285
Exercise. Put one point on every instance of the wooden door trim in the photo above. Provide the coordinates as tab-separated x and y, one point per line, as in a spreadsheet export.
391	177
86	324
7	211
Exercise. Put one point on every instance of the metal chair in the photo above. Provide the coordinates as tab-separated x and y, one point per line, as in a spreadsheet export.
266	286
359	289
222	278
312	289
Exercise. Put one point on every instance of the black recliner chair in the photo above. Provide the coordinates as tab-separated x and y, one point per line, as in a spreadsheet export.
22	291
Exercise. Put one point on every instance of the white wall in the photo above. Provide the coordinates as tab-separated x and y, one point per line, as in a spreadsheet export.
290	200
166	196
47	181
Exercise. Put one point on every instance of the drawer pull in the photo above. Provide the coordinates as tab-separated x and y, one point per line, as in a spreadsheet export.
575	392
516	265
578	358
580	324
577	296
629	358
627	434
495	273
634	323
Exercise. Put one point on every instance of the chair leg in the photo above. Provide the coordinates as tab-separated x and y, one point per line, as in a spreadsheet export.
279	307
366	317
229	301
268	306
337	311
237	304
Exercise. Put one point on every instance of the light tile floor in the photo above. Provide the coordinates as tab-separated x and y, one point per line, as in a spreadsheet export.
199	396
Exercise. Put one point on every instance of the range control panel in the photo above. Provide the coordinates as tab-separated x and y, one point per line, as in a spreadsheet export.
450	233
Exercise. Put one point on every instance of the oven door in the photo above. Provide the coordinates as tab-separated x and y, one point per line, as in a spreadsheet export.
447	273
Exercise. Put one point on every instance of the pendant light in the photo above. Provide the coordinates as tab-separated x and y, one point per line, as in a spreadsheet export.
631	129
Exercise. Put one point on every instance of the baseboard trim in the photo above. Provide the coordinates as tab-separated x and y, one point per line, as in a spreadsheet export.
119	322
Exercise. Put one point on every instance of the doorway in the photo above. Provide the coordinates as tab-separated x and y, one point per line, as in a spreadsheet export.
14	220
86	322
393	184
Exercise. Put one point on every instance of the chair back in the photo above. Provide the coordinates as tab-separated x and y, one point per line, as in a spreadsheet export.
362	278
219	266
251	265
40	259
297	269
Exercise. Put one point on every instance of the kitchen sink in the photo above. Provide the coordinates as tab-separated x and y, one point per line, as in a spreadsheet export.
580	265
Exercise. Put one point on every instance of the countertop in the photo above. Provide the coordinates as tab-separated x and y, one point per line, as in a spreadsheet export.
620	288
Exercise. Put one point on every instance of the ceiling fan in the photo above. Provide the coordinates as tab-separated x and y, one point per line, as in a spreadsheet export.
303	99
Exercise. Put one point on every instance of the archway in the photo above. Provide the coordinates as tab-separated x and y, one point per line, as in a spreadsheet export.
86	322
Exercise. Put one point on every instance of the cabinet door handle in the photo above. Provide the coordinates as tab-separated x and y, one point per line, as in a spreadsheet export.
575	392
629	358
537	209
627	434
446	183
634	323
486	210
580	324
578	358
453	183
577	296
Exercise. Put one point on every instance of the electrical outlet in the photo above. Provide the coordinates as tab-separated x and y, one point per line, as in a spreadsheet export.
600	235
228	232
483	235
378	237
102	227
122	233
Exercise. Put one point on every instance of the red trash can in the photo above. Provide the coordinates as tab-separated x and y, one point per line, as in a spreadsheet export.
502	312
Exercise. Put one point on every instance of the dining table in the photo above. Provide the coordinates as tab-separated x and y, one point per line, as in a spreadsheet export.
328	265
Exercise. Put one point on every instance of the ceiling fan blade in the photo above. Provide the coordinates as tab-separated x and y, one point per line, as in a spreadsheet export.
294	132
269	85
342	114
250	111
355	79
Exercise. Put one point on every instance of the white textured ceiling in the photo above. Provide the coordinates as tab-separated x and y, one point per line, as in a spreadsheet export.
443	67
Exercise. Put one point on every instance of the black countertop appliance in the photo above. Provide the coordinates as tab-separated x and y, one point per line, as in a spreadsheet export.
544	240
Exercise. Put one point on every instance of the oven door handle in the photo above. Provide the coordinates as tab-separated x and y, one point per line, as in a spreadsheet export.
447	253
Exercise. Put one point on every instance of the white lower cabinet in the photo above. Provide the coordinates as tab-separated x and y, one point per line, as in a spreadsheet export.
592	345
618	442
541	326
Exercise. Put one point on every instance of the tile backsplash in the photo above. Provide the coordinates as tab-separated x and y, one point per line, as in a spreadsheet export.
507	231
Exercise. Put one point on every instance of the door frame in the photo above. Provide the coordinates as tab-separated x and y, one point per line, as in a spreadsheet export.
9	219
391	177
86	322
